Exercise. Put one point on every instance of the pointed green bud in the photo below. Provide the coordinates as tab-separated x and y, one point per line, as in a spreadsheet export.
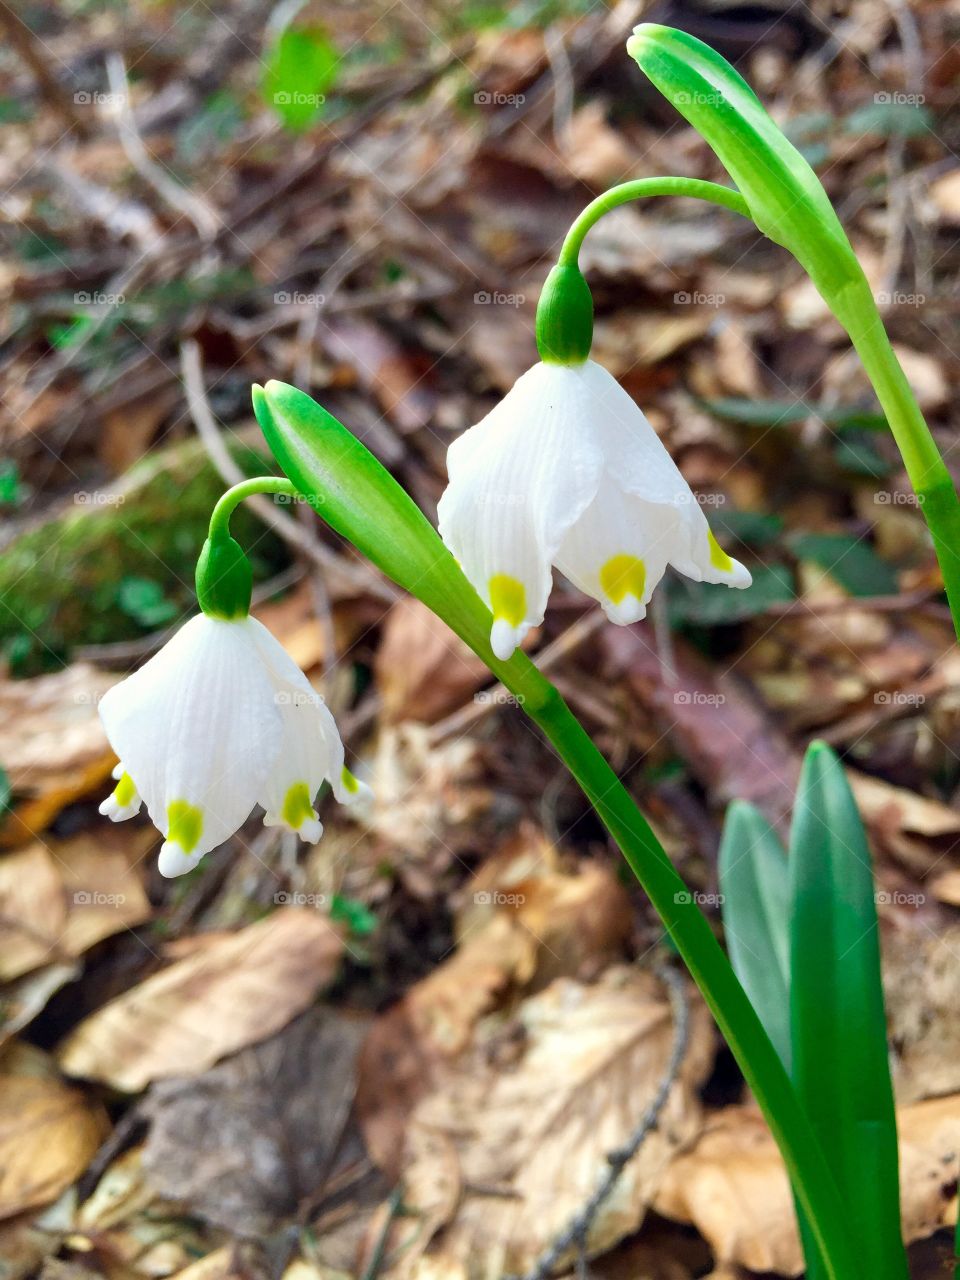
565	317
224	578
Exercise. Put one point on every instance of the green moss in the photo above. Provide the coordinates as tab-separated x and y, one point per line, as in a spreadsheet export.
64	583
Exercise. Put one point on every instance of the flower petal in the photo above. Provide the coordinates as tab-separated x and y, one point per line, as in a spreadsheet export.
198	731
518	481
311	752
124	800
618	550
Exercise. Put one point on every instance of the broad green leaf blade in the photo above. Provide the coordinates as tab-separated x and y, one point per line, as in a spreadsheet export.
755	885
838	1026
785	197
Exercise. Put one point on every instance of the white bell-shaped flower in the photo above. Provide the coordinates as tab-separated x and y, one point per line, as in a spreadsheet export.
567	471
209	726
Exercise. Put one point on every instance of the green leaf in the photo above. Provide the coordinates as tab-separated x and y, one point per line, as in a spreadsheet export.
838	1026
5	790
755	528
702	604
785	197
890	118
144	601
301	68
850	561
358	917
755	888
783	413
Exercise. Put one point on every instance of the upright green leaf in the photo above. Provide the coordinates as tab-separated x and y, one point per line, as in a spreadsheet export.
755	885
838	1026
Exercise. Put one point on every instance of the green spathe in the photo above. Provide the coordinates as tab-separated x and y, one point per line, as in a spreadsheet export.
564	325
224	578
785	197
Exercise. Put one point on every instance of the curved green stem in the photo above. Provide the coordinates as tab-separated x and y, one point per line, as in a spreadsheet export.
852	303
357	497
229	501
726	197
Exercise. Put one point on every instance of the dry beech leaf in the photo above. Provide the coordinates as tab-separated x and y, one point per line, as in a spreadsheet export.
908	825
526	920
52	744
233	993
49	1132
423	670
22	1000
253	1139
60	897
121	1192
533	1109
733	1187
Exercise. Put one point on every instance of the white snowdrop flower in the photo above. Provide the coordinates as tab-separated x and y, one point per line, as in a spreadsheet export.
219	719
567	471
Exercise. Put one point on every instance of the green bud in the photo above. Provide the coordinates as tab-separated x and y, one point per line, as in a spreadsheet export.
224	579
565	317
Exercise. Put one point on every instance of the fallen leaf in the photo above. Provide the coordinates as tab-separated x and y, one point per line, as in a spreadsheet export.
247	1142
423	670
60	897
532	1113
211	1003
49	1132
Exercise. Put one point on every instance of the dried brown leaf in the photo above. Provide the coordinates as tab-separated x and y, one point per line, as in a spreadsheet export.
233	993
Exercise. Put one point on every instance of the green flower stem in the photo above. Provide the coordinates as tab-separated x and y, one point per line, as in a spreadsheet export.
357	497
853	305
229	501
636	190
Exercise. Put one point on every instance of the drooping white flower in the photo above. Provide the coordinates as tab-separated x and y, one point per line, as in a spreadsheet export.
567	471
219	719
